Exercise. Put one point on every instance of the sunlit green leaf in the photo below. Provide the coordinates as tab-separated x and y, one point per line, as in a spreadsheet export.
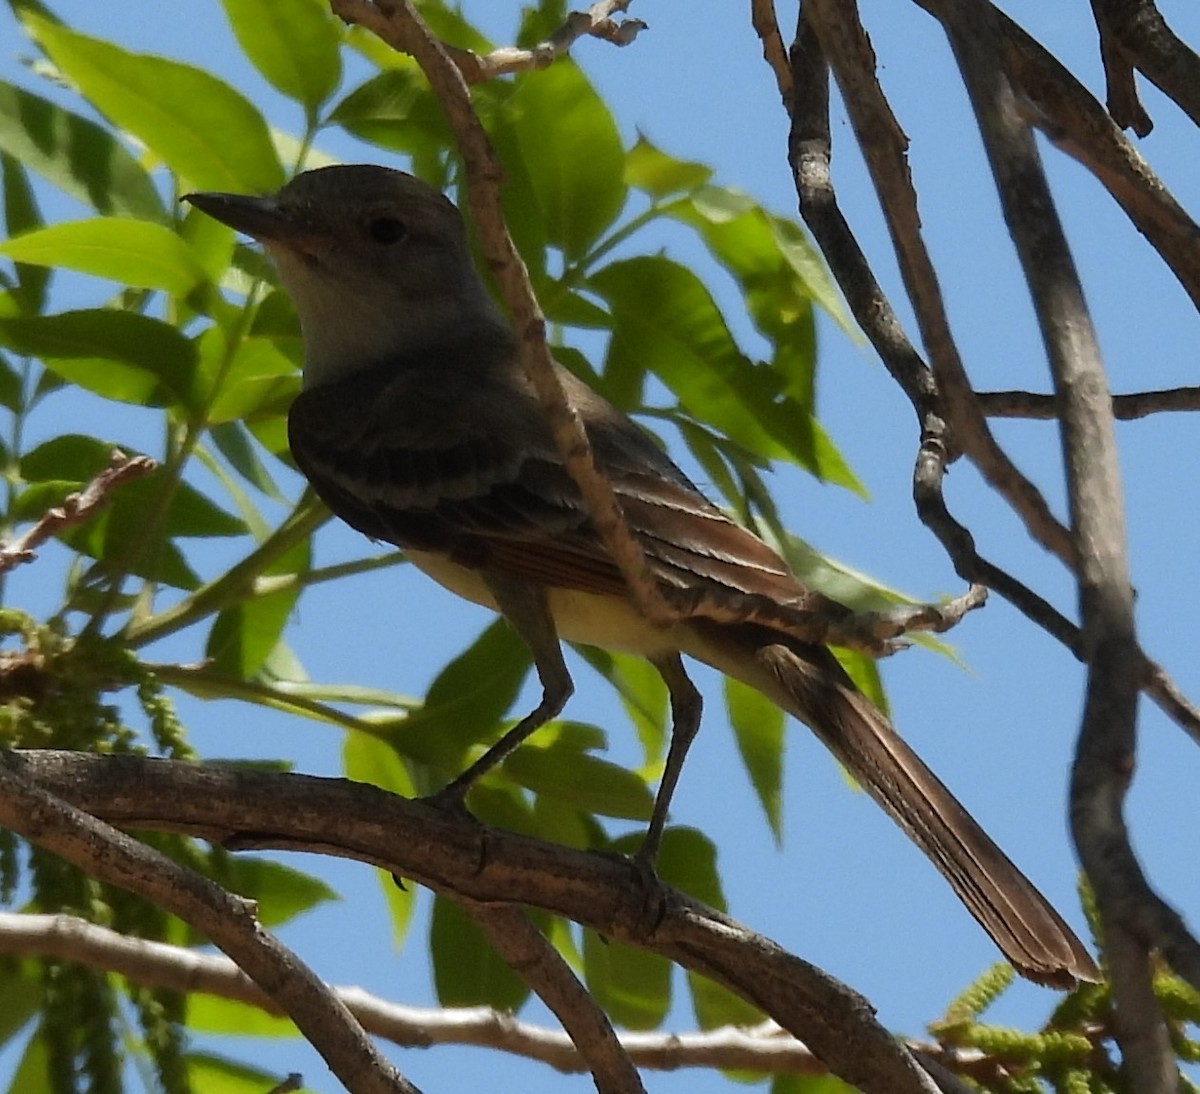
218	1075
280	892
132	252
120	355
587	782
293	43
663	314
79	156
467	971
759	727
211	1014
652	170
632	986
468	700
570	150
21	215
201	128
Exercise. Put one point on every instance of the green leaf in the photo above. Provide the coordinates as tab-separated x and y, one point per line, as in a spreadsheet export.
368	760
132	252
244	635
588	783
218	1075
32	1074
570	150
632	986
234	443
466	970
396	110
293	43
659	175
212	1014
642	691
21	215
79	156
280	892
664	315
468	700
687	860
21	990
759	727
119	355
206	132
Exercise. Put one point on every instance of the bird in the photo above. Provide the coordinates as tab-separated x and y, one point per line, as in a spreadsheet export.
417	425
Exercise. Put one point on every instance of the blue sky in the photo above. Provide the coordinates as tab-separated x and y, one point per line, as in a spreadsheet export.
846	890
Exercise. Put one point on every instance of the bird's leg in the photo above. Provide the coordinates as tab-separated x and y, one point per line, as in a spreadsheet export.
686	705
524	606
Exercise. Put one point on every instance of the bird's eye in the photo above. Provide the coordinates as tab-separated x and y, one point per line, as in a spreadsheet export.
387	230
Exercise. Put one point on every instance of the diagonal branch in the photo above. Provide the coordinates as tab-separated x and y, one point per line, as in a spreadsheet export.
452	854
884	146
227	920
542	967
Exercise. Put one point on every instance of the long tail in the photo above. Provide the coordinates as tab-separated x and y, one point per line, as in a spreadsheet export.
808	683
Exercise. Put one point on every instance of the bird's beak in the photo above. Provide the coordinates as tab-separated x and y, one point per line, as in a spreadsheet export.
261	218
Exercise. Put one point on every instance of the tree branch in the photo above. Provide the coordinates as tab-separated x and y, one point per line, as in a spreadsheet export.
1139	404
1130	910
77	508
421	842
227	920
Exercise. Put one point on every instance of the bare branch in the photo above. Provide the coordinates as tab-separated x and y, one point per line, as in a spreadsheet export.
77	508
419	841
1133	34
1105	753
597	22
809	152
227	920
884	146
1139	404
542	967
766	26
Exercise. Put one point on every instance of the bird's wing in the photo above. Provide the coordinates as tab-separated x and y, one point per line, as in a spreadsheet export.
434	459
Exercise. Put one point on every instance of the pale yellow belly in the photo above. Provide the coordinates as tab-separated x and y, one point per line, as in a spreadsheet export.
603	621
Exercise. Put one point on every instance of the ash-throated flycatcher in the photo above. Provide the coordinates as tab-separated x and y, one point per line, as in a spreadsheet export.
418	426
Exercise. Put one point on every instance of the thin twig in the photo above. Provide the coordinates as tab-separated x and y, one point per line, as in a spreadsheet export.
229	921
179	968
596	22
402	28
77	508
1138	404
884	146
766	26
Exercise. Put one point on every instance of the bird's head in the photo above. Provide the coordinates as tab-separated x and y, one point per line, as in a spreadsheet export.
375	261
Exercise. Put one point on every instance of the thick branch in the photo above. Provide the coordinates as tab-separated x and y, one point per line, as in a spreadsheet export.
227	920
418	841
